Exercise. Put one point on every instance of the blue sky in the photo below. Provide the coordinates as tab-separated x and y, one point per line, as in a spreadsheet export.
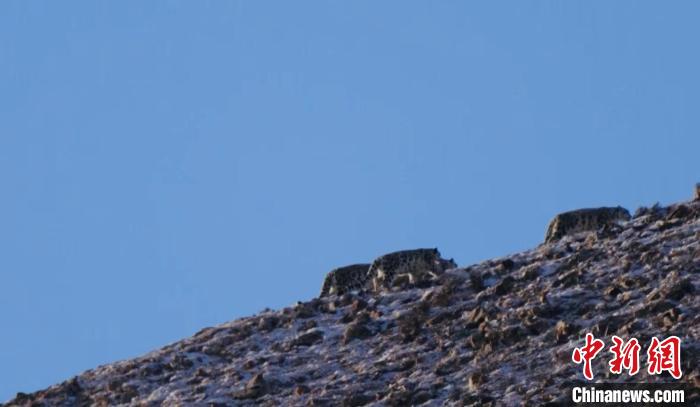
168	166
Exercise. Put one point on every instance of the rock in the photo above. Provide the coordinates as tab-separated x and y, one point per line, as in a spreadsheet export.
356	330
397	365
477	283
568	279
344	300
180	362
447	365
255	388
22	398
475	317
442	297
215	349
358	305
306	325
679	288
411	323
611	325
357	400
668	318
126	393
562	331
679	212
268	323
422	396
398	398
534	325
507	265
443	317
72	387
308	338
475	380
530	272
206	333
114	385
653	307
504	286
612	291
303	311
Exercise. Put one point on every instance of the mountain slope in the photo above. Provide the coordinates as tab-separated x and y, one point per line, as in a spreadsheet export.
502	330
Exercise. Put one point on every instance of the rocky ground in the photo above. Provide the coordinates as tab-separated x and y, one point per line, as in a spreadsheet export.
499	332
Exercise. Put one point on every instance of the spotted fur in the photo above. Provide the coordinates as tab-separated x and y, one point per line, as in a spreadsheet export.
583	220
411	266
344	279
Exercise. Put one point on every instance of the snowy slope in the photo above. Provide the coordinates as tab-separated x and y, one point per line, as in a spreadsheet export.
502	331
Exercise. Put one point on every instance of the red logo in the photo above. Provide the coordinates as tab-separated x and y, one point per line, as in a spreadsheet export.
662	356
626	357
586	353
665	356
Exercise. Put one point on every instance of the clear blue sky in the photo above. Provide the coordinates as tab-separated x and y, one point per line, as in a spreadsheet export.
167	166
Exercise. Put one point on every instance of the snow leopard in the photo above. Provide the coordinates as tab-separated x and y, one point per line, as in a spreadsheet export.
345	279
582	220
410	266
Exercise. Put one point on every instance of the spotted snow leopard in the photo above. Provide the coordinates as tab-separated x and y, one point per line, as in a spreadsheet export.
583	220
344	279
410	266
